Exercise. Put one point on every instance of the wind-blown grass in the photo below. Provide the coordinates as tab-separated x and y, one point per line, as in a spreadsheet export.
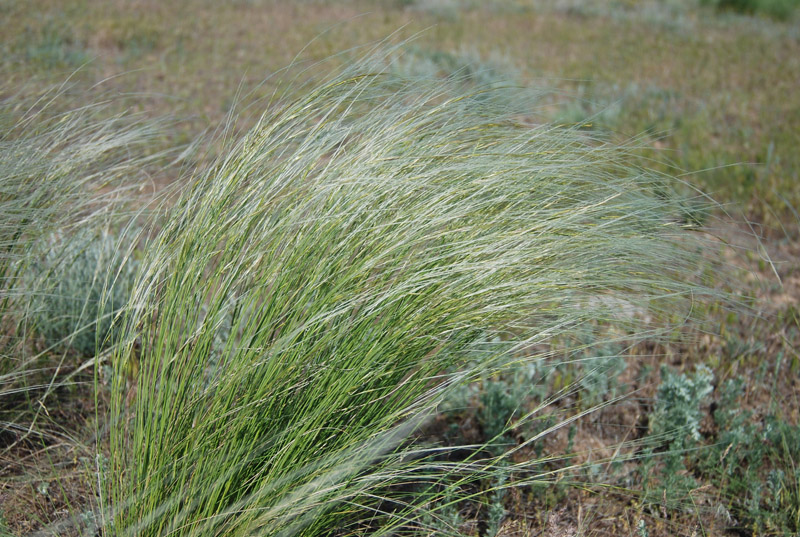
358	247
60	172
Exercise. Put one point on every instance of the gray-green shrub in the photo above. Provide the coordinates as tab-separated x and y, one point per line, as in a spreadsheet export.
82	283
678	411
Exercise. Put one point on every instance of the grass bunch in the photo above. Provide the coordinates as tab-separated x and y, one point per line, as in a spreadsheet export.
62	173
358	248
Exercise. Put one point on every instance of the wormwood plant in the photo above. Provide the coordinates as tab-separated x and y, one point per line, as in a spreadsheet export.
359	245
677	411
754	463
675	423
85	285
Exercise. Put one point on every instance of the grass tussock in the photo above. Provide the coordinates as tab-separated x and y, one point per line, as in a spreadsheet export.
317	290
61	174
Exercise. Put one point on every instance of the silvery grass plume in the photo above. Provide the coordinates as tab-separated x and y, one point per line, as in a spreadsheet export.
358	247
61	173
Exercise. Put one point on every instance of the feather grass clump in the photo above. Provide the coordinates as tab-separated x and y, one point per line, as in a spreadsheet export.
358	247
61	173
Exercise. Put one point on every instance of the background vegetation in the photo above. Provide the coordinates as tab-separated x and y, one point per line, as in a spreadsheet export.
704	439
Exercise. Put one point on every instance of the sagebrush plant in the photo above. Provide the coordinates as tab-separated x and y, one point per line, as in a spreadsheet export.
674	427
465	67
678	410
363	241
754	463
85	284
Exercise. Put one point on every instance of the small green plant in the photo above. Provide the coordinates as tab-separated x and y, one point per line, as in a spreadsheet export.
444	517
499	402
678	413
4	530
641	528
597	363
466	67
755	464
494	403
674	426
53	45
86	283
779	9
496	511
494	77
